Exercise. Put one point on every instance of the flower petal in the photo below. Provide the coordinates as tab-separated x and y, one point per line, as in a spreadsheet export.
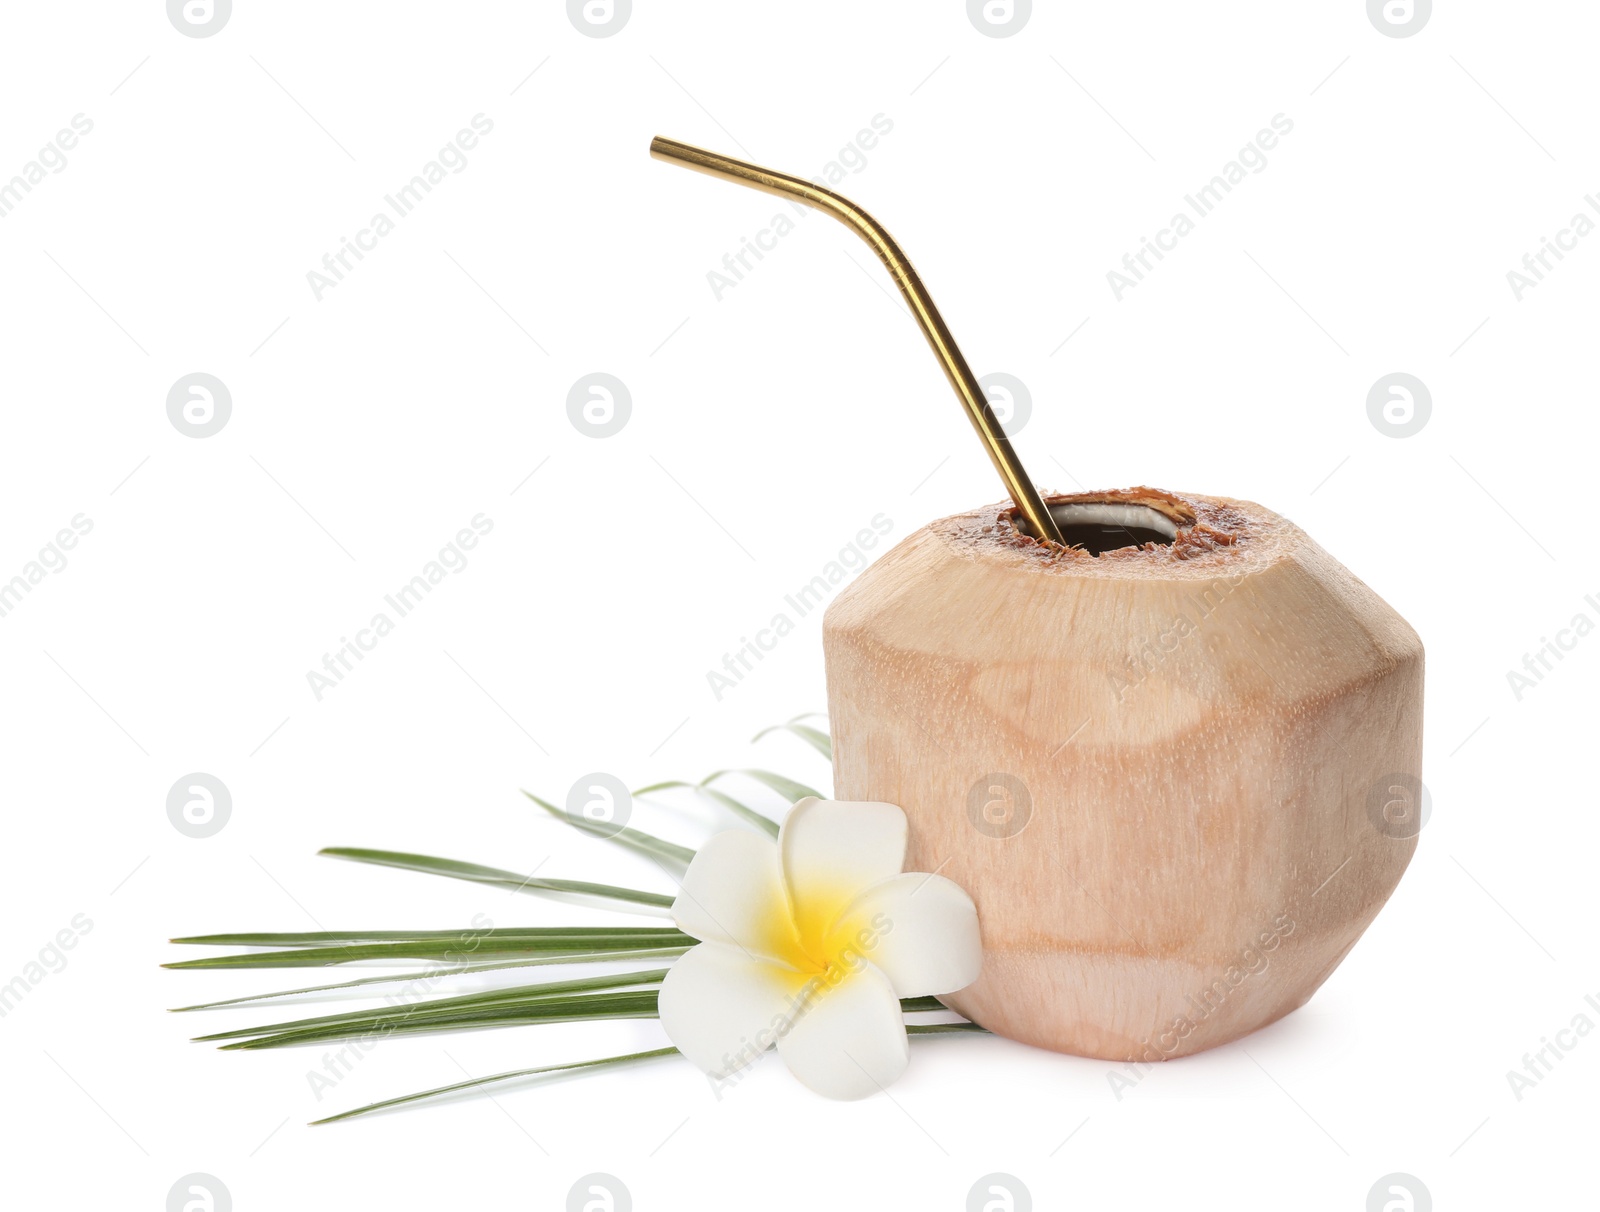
921	930
848	1040
831	850
722	1009
733	893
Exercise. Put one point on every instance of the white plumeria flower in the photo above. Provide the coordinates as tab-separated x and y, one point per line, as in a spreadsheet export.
809	942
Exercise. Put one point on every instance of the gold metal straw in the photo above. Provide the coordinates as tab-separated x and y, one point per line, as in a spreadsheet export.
899	266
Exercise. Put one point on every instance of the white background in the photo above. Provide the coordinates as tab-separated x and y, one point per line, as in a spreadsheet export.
767	429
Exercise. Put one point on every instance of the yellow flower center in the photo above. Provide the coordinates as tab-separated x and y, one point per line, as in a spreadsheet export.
816	935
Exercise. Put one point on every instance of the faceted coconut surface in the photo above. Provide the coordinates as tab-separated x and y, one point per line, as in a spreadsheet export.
1178	780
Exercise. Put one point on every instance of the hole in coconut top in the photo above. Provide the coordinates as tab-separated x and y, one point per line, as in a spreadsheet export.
1098	527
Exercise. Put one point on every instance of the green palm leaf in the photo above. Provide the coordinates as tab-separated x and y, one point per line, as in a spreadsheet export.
786	787
514	996
814	737
945	1029
439	972
627	995
637	839
463	938
742	811
493	875
417	1019
603	1062
608	997
325	957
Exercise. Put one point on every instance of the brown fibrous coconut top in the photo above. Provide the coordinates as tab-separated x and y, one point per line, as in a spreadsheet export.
1214	532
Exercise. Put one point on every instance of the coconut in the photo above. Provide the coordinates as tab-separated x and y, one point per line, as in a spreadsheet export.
1176	763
